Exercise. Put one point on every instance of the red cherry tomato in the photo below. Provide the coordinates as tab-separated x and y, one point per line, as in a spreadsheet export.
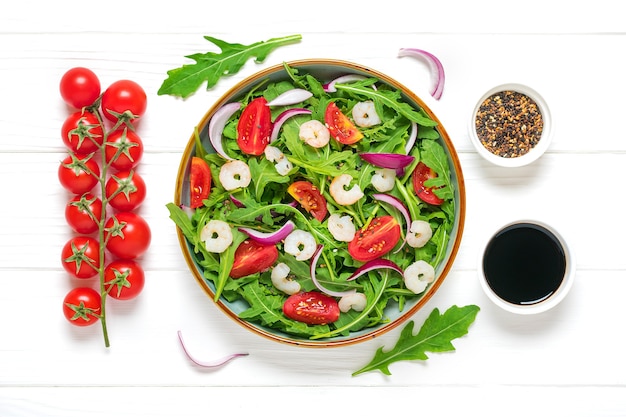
310	198
199	182
124	279
127	235
252	257
311	308
126	190
123	149
82	306
254	127
79	87
124	96
81	256
422	174
78	174
83	213
375	240
340	127
82	133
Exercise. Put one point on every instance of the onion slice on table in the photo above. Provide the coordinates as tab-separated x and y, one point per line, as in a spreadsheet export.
435	64
289	97
399	205
217	124
316	257
269	238
374	265
330	87
210	364
388	160
281	118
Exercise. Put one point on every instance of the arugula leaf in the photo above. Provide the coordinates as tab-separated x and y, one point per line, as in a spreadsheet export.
436	335
210	66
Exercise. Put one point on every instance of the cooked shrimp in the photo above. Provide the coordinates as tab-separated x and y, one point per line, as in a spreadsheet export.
341	227
384	179
216	235
421	233
340	194
281	163
300	244
281	280
355	301
235	174
364	114
314	133
418	275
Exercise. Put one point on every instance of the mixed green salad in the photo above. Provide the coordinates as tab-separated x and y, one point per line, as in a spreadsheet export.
318	227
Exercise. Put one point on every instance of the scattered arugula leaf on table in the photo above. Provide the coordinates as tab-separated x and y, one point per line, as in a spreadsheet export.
436	335
211	66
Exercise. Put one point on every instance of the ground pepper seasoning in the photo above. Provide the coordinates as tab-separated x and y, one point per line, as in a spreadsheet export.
509	123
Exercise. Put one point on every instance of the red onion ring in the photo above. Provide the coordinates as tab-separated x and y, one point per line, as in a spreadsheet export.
281	118
330	87
217	124
396	203
412	137
316	256
269	238
373	265
388	160
435	64
212	364
289	97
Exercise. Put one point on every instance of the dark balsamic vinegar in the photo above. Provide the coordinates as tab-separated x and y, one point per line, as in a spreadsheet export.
524	263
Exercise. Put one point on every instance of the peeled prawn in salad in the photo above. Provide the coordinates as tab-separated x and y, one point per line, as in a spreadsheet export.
364	114
235	174
343	196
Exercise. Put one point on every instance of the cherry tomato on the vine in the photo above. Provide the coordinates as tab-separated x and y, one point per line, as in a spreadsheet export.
79	87
127	235
78	174
375	240
254	127
82	132
125	190
340	127
252	257
123	149
124	96
422	174
81	256
82	306
124	279
310	198
83	213
311	308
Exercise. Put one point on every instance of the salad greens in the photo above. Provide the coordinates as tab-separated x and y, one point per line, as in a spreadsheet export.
265	205
211	66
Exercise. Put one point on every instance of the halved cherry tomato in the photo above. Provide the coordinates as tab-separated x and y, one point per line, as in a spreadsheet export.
311	308
199	182
252	257
422	174
310	198
341	128
375	240
254	127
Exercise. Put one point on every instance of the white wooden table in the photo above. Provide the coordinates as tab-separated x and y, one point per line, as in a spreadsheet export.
568	361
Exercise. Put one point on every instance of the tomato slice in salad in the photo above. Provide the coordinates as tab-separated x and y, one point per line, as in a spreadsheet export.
199	181
311	308
340	127
310	198
252	257
376	239
422	174
254	127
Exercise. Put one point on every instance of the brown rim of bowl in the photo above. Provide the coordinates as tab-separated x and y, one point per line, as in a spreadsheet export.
457	172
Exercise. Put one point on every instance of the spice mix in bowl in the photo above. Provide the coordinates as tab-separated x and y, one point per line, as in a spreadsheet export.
511	125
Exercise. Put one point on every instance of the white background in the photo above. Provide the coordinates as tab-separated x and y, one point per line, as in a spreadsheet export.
568	361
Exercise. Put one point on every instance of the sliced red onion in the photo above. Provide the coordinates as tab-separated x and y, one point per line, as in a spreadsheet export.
281	118
187	210
217	124
330	87
289	97
236	201
212	364
373	265
269	238
412	136
433	61
396	203
316	256
388	160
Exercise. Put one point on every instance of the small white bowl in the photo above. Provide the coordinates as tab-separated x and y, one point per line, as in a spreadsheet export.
514	295
535	152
